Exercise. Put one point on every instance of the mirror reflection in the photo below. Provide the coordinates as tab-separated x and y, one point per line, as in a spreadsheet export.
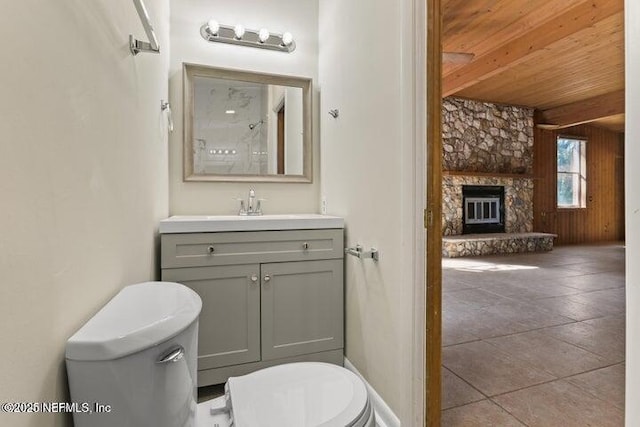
245	128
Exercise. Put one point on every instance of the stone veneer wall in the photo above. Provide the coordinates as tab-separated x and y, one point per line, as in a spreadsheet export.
485	137
518	200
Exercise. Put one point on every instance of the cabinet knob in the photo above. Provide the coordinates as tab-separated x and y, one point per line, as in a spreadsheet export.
211	249
254	277
305	246
267	277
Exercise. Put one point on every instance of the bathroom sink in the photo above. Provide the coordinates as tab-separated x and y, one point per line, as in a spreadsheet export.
213	223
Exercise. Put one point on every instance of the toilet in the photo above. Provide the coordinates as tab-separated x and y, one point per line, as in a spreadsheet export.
134	364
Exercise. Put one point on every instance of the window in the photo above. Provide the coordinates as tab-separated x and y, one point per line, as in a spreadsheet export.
572	173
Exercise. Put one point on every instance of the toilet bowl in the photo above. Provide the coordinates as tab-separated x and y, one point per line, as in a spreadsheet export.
134	364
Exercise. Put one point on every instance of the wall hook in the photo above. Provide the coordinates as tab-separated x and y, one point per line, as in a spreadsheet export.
334	113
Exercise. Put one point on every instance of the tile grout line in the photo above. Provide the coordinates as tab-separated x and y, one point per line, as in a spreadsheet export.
557	378
552	381
539	329
507	411
470	385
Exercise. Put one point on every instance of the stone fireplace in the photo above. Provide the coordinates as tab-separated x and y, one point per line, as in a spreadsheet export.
487	184
517	207
486	145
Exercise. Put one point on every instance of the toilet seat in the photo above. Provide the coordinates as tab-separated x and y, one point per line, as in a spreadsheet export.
292	395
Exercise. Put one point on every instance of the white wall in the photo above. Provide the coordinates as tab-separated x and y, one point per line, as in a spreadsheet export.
368	176
632	202
300	18
83	179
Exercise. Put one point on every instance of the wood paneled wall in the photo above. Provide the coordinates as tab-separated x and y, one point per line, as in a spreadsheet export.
603	218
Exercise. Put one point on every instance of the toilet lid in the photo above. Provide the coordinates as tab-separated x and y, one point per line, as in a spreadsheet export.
298	395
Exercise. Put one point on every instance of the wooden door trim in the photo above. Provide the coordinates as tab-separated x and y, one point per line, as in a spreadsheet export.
280	141
433	215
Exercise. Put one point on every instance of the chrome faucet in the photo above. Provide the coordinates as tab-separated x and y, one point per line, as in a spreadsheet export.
253	206
251	201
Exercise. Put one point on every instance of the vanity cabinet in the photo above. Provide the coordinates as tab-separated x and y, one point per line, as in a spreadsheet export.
268	297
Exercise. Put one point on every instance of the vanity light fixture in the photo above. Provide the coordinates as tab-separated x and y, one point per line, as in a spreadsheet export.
215	32
230	111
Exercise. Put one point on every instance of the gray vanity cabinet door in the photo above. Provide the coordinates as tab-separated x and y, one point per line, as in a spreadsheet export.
229	327
302	308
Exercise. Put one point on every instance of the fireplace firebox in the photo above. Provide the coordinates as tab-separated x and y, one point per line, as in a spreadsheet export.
483	209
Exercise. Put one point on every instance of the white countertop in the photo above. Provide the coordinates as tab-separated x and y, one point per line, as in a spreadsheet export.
214	223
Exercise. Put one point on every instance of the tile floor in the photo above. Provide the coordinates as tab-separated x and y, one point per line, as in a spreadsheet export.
534	339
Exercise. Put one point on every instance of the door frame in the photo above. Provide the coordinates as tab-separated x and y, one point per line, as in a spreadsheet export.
432	216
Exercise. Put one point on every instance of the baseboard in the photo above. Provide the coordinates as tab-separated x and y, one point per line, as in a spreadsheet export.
384	415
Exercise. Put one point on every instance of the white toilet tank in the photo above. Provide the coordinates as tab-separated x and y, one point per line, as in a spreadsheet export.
134	364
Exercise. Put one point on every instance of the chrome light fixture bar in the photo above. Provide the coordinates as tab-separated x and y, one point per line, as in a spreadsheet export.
238	35
136	46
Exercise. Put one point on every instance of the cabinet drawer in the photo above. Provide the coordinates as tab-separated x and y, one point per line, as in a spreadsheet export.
208	249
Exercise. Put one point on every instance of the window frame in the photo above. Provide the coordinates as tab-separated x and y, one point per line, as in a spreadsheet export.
580	174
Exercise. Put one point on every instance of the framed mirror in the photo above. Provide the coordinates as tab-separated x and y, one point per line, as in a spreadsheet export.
243	126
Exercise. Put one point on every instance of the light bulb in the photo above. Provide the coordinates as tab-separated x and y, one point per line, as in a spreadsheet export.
239	31
213	26
263	35
226	151
287	38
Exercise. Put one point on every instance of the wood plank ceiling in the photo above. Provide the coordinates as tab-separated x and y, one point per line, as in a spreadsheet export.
563	57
